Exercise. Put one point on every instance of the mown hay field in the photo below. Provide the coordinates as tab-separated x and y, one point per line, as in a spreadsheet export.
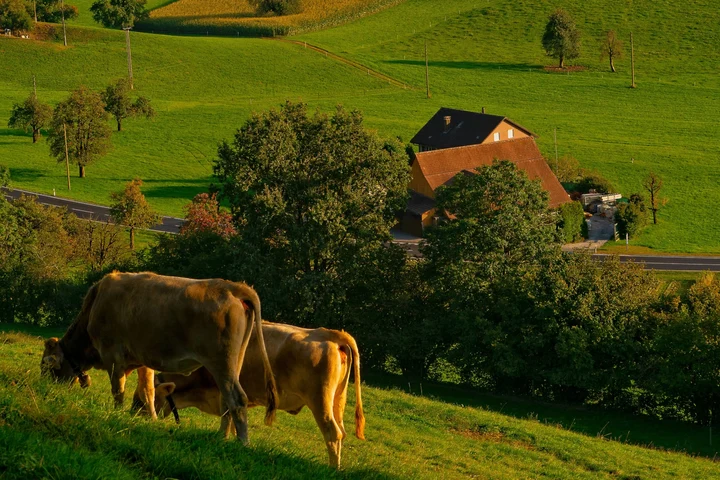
228	17
48	430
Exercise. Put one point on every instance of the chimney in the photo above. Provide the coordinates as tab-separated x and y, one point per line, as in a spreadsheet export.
483	109
448	119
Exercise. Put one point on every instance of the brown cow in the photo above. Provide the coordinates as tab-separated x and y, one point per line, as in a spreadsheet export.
312	367
171	324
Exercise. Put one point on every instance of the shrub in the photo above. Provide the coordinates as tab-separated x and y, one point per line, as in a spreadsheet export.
594	181
277	7
631	217
570	223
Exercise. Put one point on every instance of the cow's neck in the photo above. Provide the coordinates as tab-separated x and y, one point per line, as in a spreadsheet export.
78	348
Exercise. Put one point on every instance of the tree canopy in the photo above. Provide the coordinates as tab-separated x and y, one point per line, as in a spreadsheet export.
130	208
88	134
119	104
14	15
118	13
52	11
561	39
30	115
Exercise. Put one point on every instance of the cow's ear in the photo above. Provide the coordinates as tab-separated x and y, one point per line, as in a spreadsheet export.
165	389
51	342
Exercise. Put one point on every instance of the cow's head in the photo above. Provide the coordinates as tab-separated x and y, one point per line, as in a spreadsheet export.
57	366
162	406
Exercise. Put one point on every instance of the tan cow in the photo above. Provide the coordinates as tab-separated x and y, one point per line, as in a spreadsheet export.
312	367
171	324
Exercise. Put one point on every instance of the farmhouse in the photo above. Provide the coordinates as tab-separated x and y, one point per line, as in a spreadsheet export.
456	141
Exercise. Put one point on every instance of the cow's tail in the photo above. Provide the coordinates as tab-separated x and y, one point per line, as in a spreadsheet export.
270	386
359	416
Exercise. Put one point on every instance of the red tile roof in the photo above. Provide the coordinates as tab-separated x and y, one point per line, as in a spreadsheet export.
440	166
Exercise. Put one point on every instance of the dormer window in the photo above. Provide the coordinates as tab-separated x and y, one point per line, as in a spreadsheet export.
511	133
496	137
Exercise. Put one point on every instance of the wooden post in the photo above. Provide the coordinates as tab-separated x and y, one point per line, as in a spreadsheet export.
34	87
556	154
632	60
129	56
427	73
62	11
67	159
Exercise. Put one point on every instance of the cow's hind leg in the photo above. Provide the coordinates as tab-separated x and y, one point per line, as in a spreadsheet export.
146	386
322	409
236	402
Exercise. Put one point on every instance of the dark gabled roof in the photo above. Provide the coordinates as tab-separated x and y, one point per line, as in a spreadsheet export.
439	167
466	128
418	203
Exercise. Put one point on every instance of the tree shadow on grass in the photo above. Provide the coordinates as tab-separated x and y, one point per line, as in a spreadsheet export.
520	67
13	132
588	420
24	174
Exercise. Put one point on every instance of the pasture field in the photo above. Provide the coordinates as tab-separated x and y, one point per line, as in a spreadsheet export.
52	431
239	17
481	54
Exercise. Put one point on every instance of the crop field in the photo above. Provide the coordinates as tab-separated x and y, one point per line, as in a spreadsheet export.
227	17
52	431
480	54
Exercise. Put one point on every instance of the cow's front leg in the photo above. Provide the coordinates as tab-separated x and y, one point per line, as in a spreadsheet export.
117	382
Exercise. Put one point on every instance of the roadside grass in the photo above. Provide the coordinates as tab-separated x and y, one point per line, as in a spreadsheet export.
239	18
677	283
50	430
480	55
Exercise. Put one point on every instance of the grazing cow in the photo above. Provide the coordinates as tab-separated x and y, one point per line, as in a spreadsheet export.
171	324
312	367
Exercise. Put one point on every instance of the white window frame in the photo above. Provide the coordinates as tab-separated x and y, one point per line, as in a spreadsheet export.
511	133
496	137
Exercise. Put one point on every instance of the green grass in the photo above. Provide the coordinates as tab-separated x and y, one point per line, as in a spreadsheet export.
48	430
481	54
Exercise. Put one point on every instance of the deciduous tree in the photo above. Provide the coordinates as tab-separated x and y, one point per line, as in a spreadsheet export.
652	184
130	208
203	215
612	48
118	13
277	7
88	134
14	15
4	176
561	39
52	11
31	115
119	104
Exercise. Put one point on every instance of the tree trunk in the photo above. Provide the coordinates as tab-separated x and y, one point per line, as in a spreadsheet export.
562	61
654	210
612	64
82	171
132	238
36	134
119	122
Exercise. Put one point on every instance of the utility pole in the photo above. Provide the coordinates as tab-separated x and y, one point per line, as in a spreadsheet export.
556	154
34	87
67	159
129	55
35	9
62	11
427	74
632	60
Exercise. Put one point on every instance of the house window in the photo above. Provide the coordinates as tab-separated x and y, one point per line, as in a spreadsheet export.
511	133
496	137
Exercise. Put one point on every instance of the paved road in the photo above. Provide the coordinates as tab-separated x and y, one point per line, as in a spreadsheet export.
90	211
670	262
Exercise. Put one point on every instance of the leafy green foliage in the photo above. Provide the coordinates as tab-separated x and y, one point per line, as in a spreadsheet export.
4	176
130	208
14	15
88	134
119	13
561	39
566	168
631	217
571	221
277	7
30	115
594	181
52	11
119	104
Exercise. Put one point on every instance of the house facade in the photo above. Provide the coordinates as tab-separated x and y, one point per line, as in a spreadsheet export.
452	143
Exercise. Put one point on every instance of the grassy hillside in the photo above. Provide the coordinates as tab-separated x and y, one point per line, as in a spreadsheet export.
48	430
223	17
490	55
481	54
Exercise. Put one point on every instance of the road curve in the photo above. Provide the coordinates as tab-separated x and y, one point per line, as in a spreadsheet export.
90	211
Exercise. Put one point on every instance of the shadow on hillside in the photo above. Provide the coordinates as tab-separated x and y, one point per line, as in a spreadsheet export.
151	189
587	420
214	16
25	174
11	132
471	65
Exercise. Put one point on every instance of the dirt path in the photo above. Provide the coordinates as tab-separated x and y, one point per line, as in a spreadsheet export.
352	63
